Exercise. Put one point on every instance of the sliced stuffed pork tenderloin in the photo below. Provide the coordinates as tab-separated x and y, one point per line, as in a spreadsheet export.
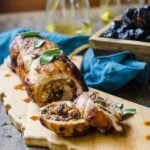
59	79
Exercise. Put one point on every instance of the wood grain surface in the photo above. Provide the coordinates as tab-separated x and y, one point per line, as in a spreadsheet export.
30	5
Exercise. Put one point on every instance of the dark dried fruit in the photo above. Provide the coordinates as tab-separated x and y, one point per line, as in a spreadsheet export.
62	109
140	34
116	24
143	18
131	33
110	34
147	38
122	29
134	25
74	114
61	129
147	7
129	17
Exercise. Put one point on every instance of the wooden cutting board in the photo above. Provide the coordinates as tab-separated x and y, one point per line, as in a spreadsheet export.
24	115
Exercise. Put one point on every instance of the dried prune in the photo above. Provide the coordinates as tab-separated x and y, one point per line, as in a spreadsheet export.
116	24
147	7
129	17
140	34
134	25
139	18
124	36
122	29
131	33
143	18
127	35
147	38
110	34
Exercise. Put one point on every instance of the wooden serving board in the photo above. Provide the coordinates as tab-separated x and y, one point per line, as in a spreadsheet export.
23	115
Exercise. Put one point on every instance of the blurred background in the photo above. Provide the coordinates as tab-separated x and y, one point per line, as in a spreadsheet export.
31	5
38	14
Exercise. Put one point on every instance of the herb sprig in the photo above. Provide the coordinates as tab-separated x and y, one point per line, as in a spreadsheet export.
129	111
49	55
38	43
29	34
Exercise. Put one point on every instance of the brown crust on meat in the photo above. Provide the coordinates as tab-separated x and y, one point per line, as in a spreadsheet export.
25	46
67	129
25	62
72	70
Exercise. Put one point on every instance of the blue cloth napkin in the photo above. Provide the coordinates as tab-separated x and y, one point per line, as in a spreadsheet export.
68	44
112	72
107	73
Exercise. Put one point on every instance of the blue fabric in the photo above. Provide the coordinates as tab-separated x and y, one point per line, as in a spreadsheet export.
112	72
107	73
68	44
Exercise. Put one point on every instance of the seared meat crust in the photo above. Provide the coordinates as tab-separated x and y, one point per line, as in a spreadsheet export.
60	79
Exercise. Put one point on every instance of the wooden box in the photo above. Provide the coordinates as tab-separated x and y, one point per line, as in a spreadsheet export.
110	45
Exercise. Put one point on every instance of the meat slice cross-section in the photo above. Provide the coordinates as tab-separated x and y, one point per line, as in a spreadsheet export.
89	109
100	113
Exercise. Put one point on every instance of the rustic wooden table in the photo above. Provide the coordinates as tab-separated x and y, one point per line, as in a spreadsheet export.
10	138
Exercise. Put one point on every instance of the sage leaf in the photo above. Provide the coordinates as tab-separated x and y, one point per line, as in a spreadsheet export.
129	111
29	34
38	43
120	105
49	55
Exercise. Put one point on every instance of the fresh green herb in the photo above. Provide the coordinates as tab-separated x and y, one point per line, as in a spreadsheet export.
29	34
129	111
49	55
38	43
120	105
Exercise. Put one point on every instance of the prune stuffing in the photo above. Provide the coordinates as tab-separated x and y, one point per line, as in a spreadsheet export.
140	34
62	109
74	114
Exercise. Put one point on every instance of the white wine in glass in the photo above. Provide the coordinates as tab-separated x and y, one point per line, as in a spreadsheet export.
69	17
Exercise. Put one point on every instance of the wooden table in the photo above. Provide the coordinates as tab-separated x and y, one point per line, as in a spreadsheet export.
10	138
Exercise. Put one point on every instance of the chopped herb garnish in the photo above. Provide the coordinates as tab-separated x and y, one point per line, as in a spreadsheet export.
29	34
129	111
38	43
49	55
